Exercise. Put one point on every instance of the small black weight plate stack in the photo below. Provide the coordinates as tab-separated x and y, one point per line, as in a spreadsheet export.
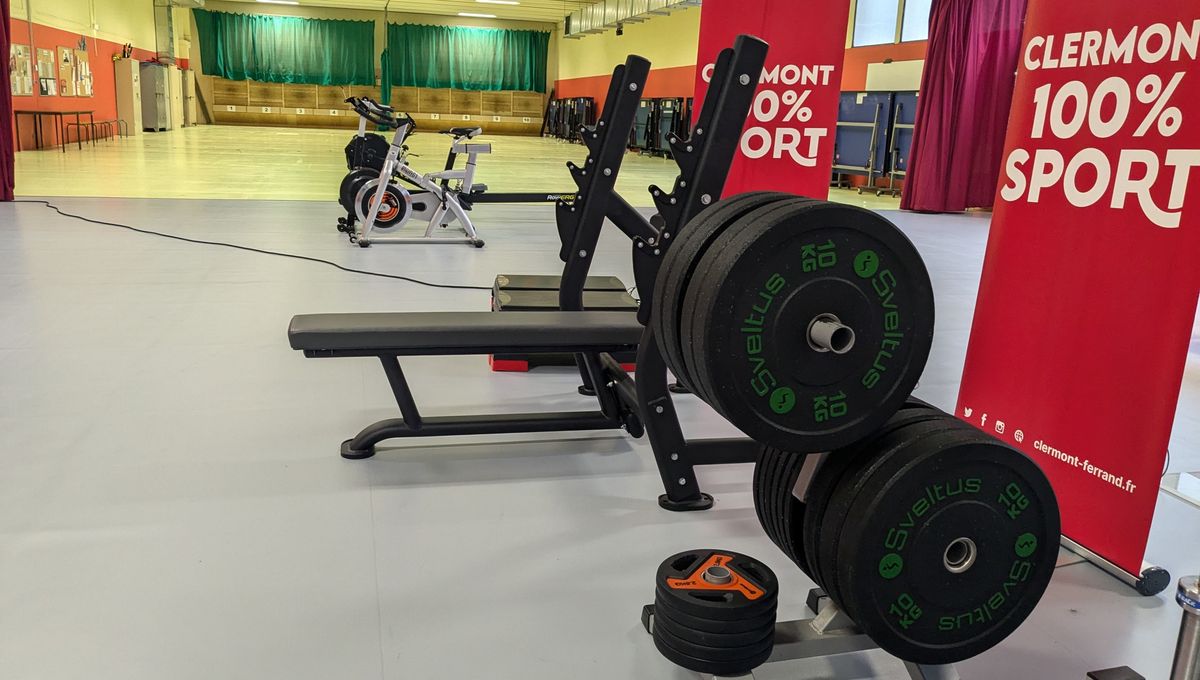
757	294
937	539
714	611
679	264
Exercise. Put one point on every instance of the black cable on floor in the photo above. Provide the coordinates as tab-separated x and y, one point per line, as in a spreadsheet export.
250	249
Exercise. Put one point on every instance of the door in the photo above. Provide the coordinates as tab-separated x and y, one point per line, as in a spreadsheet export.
175	90
190	108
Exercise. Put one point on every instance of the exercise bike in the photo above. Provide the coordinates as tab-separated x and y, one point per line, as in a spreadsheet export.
375	205
365	158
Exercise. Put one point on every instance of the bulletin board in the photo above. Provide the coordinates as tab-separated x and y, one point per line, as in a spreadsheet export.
20	70
66	72
83	74
47	73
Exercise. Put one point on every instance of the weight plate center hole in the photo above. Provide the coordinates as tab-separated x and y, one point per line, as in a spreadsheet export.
827	333
960	555
718	575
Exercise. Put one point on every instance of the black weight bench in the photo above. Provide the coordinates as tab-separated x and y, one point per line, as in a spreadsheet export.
389	336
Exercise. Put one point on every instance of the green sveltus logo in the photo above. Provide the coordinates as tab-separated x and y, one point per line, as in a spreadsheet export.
867	265
762	380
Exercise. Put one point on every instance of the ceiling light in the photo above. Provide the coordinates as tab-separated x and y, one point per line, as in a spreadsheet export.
499	2
477	16
280	2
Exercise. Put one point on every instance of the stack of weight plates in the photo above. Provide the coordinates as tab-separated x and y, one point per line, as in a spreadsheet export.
775	477
937	539
804	323
714	611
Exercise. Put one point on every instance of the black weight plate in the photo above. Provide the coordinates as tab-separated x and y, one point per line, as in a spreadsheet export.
705	625
684	646
704	282
764	491
765	285
731	668
841	501
792	510
680	261
888	450
828	479
825	482
776	492
726	640
779	504
758	490
681	586
672	274
351	183
951	485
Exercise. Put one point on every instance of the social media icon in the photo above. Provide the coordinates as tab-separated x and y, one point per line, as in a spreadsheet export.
983	421
968	412
999	427
1019	435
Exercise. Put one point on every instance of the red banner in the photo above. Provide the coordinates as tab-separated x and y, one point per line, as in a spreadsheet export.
788	141
1091	279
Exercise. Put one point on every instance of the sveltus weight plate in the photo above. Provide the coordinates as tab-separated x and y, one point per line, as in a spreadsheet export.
679	264
777	473
842	469
806	324
714	611
948	543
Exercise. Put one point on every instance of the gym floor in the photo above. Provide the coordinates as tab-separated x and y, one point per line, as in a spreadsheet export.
226	162
172	504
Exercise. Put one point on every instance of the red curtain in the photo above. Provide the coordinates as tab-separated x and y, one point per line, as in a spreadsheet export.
966	93
7	171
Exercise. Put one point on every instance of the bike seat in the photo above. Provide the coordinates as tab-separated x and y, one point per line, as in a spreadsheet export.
468	132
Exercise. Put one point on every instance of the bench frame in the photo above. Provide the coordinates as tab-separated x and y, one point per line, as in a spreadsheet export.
645	406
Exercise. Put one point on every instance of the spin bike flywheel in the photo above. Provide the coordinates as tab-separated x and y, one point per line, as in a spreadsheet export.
396	209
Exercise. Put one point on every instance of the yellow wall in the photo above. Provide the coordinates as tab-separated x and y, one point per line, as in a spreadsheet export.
119	21
667	41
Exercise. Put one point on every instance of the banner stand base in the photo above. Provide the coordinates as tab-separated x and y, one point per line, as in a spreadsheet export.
1152	581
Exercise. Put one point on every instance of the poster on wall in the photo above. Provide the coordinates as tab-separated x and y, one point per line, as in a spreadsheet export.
47	72
1090	284
787	144
67	79
20	70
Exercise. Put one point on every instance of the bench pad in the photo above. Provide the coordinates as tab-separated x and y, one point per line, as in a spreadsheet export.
437	333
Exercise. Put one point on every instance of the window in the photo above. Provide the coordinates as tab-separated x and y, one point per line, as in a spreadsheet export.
916	20
885	22
875	22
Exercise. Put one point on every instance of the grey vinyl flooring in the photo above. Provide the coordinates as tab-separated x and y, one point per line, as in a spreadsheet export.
172	504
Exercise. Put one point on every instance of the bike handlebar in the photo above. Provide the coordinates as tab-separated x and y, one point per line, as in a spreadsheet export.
379	114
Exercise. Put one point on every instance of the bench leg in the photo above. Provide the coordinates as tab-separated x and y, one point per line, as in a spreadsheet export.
363	445
411	424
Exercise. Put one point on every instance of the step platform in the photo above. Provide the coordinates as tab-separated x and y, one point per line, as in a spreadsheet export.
537	293
511	282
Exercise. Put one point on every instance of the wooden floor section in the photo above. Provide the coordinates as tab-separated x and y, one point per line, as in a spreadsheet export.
299	164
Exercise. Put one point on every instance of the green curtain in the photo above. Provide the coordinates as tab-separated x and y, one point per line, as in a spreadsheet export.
467	58
278	49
